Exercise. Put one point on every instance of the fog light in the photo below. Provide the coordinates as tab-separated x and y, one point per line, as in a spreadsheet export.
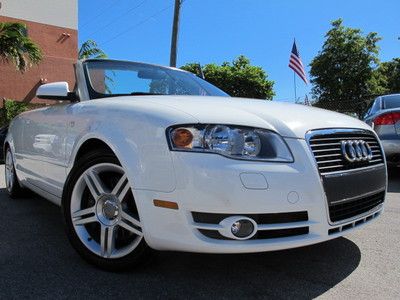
242	228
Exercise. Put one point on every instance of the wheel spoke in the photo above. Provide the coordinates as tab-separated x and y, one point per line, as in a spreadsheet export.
121	188
130	228
8	181
86	220
107	241
94	184
83	212
131	219
85	216
8	159
124	223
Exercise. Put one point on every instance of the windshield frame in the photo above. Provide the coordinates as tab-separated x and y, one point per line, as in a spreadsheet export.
93	94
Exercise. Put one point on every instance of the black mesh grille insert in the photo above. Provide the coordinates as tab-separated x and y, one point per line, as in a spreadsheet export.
346	210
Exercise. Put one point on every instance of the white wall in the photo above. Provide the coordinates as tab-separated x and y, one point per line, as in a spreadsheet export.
63	13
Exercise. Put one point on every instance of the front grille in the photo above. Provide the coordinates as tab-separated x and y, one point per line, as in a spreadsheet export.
343	181
293	221
353	224
326	148
350	209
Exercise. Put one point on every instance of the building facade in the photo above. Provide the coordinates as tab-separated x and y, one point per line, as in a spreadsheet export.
52	24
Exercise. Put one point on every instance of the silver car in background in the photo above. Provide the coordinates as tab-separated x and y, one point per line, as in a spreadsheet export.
383	115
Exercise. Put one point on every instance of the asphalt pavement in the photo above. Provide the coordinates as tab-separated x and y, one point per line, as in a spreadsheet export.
37	261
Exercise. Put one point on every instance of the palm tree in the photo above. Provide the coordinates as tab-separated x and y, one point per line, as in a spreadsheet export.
17	47
89	49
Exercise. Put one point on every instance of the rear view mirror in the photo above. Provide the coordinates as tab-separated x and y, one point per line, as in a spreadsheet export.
55	91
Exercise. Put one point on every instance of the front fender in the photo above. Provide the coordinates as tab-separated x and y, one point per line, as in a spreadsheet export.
147	161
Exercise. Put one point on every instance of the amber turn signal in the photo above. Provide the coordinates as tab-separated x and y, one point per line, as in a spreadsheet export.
182	137
165	204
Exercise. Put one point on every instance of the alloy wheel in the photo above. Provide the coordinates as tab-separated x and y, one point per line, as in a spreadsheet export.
9	171
104	213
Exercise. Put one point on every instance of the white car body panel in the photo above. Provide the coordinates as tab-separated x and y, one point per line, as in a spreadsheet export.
45	143
288	119
52	135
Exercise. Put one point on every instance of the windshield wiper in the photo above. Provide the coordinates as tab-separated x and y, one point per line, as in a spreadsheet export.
144	94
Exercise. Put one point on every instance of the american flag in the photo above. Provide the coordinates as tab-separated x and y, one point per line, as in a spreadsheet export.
296	65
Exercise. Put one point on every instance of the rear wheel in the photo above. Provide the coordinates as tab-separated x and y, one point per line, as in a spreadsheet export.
102	219
12	184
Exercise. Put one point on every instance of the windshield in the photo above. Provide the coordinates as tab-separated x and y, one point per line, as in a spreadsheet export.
392	101
118	78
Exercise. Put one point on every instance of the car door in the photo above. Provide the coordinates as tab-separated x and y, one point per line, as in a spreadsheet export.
43	150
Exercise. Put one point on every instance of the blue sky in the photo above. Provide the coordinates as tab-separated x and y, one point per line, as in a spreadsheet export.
220	30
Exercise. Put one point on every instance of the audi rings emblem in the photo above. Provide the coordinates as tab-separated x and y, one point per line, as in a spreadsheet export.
356	151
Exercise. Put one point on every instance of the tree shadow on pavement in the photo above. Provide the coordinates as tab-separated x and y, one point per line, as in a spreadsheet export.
37	261
298	273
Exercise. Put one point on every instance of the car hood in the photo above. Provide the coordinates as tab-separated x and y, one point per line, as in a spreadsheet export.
290	120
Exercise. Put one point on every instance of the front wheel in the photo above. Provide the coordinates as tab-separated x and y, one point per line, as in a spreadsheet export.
13	187
102	219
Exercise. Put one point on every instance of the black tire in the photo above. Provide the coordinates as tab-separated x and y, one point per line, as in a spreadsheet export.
138	256
13	187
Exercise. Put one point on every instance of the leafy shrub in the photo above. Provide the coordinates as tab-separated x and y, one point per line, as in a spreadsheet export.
11	109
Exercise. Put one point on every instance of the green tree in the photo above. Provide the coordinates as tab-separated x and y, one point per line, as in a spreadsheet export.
343	73
90	49
238	79
389	73
11	109
17	47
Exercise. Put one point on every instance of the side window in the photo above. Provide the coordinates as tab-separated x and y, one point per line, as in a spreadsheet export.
372	107
368	111
376	106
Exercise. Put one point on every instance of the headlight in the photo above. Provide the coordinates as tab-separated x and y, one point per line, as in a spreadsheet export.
232	141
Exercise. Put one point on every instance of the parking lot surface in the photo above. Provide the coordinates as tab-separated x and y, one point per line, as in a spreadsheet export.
37	261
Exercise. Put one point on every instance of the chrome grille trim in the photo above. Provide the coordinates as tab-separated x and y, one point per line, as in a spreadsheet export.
325	144
348	138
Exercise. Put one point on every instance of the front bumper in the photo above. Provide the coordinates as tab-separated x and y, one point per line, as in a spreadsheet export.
212	184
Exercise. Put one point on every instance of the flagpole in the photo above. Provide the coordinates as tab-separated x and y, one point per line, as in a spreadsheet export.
294	83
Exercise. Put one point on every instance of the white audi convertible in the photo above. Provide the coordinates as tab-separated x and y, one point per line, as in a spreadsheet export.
144	157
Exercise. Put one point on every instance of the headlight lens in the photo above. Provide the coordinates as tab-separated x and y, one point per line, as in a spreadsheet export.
232	141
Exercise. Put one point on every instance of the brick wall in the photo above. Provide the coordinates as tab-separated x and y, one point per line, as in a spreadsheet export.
60	49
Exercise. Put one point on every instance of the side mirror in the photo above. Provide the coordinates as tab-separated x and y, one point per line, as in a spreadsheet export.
56	91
